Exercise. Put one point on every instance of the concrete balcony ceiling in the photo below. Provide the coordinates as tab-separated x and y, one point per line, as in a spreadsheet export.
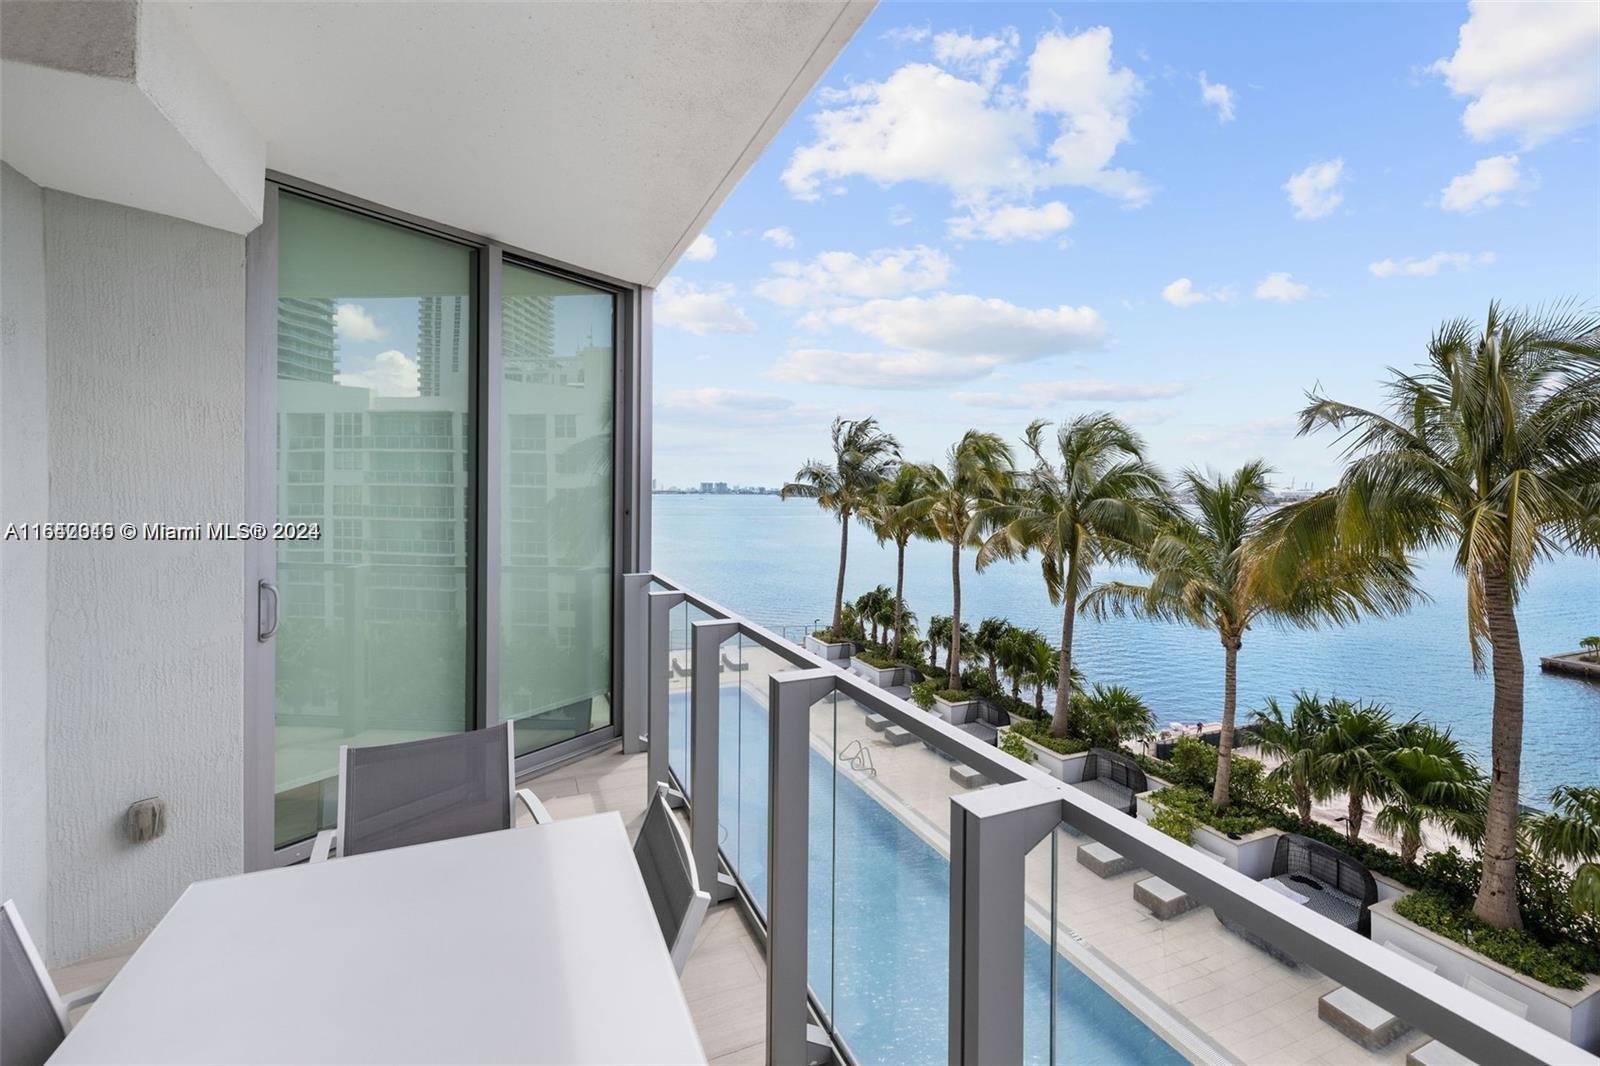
603	135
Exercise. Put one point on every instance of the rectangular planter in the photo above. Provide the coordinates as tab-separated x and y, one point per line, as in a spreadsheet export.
882	676
1143	798
957	713
834	653
1573	1015
1251	854
1067	768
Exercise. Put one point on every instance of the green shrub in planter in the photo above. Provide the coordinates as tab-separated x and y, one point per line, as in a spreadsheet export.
1176	823
1013	746
922	692
1039	733
1193	763
1562	966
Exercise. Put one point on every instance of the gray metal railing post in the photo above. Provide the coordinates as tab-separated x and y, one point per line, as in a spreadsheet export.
659	669
790	696
991	833
705	734
635	661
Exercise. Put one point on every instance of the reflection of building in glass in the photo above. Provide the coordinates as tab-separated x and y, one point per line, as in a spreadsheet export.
306	339
388	479
444	337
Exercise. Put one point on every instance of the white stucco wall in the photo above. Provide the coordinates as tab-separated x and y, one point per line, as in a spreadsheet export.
23	478
145	341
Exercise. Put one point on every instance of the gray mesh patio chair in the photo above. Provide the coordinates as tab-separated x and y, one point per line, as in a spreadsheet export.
662	852
34	1017
395	795
1113	778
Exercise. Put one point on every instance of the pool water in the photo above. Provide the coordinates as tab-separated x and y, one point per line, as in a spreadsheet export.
879	916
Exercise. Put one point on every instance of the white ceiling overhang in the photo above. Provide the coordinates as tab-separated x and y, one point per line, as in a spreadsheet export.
603	135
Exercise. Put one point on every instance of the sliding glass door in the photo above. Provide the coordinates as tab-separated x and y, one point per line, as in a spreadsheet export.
558	365
376	352
382	434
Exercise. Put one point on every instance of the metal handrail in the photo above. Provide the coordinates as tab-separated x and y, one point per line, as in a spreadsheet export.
1425	999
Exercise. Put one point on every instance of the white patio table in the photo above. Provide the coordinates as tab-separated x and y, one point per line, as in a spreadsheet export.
532	945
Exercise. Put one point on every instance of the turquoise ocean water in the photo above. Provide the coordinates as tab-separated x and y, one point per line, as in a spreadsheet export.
775	562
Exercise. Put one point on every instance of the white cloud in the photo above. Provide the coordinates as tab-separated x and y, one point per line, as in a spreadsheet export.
780	236
963	325
1529	67
1484	185
978	138
987	57
354	323
1217	95
1182	293
899	215
1314	192
702	249
1282	288
832	276
391	373
1427	268
907	34
1010	222
700	311
732	407
937	340
1037	395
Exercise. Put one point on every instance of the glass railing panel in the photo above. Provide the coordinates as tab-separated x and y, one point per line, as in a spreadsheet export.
1147	975
891	889
823	833
679	671
1039	956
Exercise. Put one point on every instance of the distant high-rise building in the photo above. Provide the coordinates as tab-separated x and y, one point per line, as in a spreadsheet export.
307	340
444	333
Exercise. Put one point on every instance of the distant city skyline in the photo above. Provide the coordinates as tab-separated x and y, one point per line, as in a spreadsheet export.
1188	215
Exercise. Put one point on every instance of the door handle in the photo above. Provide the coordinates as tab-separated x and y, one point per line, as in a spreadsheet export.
264	628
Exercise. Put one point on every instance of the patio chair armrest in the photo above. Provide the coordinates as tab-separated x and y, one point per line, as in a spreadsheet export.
322	847
541	816
83	996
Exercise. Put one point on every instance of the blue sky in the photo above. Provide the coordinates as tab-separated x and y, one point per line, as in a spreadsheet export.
986	214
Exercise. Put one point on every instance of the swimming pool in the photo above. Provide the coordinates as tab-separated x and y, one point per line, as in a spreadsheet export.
879	916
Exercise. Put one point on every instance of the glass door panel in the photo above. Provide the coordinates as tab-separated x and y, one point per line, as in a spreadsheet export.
556	507
376	350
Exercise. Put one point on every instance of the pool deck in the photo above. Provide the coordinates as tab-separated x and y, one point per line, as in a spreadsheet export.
1206	990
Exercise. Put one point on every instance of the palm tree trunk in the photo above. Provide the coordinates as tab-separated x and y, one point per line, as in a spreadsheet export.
1497	892
954	665
1410	843
1354	815
1230	700
838	590
1063	713
1038	696
899	595
1302	804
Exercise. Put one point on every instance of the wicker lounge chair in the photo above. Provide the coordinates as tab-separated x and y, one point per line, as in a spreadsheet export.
1330	882
1112	778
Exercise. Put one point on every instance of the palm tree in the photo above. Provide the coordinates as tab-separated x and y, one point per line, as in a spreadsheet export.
1354	758
870	604
1098	505
1225	568
986	642
1116	714
1014	655
1570	833
1491	449
1431	779
895	515
957	498
938	637
1041	671
863	457
1295	741
1592	646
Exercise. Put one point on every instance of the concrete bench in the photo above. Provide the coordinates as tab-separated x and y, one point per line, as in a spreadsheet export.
1102	860
897	735
1362	1020
877	723
966	776
1163	899
1434	1053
